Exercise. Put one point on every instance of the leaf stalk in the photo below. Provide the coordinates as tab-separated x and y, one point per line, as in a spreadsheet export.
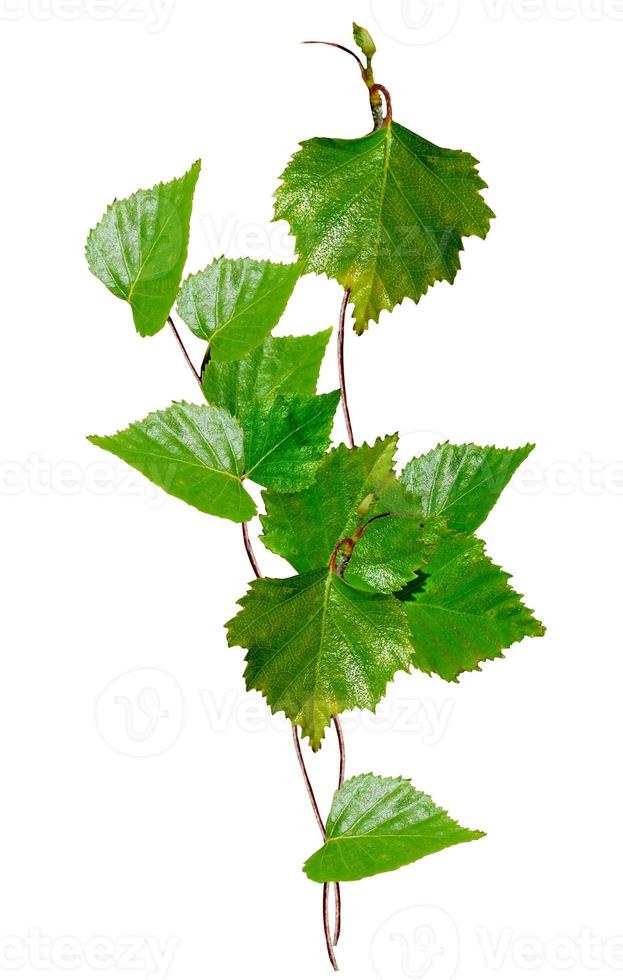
341	370
187	358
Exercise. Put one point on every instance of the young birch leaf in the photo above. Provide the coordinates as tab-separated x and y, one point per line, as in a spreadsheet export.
317	647
286	437
279	366
194	452
378	824
462	611
391	549
385	215
363	40
139	248
235	303
305	527
462	483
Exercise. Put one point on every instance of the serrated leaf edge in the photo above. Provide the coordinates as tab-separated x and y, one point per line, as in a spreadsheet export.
396	780
232	645
540	628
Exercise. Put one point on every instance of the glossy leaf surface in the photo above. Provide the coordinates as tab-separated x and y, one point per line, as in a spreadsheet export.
385	215
194	452
235	303
278	366
463	611
317	647
305	527
139	249
378	824
462	483
286	438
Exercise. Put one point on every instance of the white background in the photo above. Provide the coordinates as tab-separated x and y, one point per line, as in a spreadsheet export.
144	794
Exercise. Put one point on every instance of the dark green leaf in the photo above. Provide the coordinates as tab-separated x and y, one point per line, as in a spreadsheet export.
194	452
462	483
317	647
391	549
378	824
286	438
138	249
305	527
463	611
385	215
279	366
235	303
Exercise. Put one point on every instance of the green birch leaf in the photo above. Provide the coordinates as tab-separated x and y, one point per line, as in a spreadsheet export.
378	824
279	366
317	647
357	499
305	527
194	452
385	215
462	483
462	611
392	549
139	248
286	438
235	303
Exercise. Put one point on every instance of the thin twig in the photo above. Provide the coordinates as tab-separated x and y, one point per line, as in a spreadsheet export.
308	785
327	928
248	547
377	87
337	928
338	896
340	740
342	47
307	780
184	351
312	797
297	744
340	367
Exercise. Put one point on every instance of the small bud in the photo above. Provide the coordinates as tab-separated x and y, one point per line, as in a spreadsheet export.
363	40
366	504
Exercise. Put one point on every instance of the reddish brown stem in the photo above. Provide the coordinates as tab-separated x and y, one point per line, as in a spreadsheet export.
377	87
342	47
248	547
340	741
297	744
340	367
314	803
308	785
338	896
327	928
307	781
184	351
